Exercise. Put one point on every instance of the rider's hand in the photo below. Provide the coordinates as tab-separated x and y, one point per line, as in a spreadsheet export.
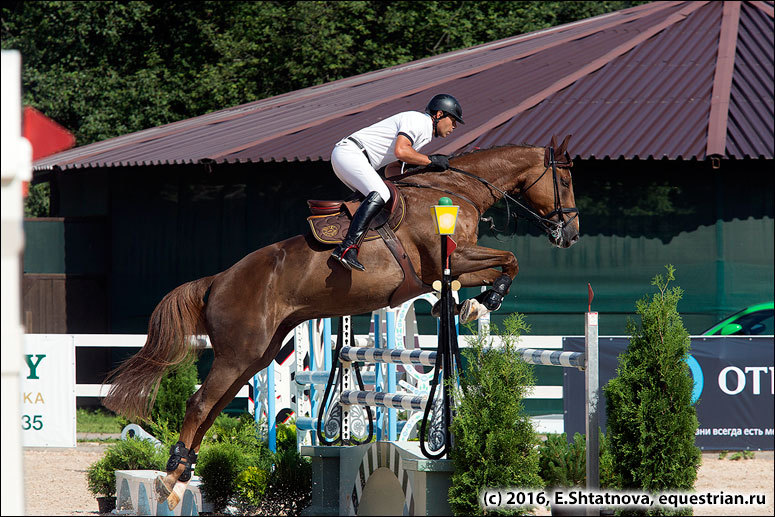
439	162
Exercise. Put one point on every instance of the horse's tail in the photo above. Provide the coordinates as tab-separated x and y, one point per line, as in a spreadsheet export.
174	322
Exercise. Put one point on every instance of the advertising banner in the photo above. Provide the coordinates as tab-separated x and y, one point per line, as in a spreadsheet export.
734	389
48	391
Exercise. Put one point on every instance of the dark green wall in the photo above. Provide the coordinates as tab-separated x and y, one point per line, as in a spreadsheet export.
167	225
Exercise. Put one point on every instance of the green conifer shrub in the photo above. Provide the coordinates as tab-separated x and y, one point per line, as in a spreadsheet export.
169	409
230	448
564	465
651	419
495	443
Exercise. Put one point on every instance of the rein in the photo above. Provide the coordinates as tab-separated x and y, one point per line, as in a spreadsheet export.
553	228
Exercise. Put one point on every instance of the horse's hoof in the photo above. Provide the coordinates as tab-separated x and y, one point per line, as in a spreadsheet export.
436	309
162	491
471	310
177	494
468	311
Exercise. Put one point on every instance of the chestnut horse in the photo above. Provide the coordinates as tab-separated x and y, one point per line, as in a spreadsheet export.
249	309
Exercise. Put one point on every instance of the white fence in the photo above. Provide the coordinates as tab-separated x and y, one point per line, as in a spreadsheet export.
551	423
138	340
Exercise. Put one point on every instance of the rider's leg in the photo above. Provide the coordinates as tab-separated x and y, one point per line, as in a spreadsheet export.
346	251
351	166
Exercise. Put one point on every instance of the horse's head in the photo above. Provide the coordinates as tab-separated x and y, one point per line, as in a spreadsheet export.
548	189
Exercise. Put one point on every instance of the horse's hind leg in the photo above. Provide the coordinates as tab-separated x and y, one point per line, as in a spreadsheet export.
273	349
227	375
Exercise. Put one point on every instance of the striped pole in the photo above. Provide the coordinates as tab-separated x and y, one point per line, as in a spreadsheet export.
384	400
381	355
552	358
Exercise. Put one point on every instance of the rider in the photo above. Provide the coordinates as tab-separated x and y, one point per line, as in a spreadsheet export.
356	158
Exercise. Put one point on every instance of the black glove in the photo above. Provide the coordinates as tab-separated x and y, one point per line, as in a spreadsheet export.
439	162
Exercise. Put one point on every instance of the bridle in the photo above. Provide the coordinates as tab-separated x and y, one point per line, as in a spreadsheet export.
549	226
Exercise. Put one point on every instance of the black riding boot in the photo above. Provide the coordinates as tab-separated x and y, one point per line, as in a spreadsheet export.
347	251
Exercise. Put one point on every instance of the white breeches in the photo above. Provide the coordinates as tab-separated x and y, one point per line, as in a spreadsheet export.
351	166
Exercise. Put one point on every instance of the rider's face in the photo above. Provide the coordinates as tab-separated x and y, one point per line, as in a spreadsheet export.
445	125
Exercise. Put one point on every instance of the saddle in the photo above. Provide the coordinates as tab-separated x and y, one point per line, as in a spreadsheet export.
330	221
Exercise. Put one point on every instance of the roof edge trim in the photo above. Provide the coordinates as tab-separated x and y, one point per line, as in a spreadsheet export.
722	80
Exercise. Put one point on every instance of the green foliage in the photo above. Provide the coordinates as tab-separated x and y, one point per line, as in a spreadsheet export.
251	487
286	436
651	420
742	455
290	488
131	454
495	444
97	421
219	465
564	464
37	202
103	69
169	409
230	447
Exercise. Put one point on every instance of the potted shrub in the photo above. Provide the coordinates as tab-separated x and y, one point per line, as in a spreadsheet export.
131	454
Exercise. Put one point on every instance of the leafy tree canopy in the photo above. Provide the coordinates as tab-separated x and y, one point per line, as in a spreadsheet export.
104	69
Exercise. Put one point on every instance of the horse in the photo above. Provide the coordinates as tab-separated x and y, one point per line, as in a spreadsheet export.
248	309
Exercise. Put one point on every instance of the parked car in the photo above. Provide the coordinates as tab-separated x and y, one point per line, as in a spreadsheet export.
755	320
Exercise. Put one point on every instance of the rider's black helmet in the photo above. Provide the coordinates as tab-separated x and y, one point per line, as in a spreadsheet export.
447	104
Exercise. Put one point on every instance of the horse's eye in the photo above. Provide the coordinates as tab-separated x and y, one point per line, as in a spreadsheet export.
565	182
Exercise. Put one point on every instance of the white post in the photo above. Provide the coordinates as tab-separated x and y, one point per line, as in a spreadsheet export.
592	380
16	167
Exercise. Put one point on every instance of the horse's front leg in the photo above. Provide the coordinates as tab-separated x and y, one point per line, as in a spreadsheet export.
474	266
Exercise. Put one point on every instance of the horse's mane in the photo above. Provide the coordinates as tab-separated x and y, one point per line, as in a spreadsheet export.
478	150
414	171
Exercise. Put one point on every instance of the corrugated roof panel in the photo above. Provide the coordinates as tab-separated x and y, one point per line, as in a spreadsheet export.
635	83
750	131
654	97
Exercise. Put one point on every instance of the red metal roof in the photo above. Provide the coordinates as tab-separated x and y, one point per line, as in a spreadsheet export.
676	80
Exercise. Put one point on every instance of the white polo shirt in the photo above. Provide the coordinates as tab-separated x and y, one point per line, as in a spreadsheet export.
379	139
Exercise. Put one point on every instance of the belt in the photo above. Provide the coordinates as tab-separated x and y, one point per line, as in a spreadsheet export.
360	146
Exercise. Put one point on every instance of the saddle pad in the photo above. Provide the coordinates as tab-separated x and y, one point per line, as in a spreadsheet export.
332	229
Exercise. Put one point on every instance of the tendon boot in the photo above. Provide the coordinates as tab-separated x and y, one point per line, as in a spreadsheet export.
492	298
347	250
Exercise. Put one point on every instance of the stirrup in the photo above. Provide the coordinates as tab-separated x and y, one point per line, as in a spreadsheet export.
349	259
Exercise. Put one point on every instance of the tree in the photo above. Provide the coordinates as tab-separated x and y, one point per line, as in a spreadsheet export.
103	69
651	419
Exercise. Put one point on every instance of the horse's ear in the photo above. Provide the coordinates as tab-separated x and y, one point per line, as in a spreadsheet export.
554	142
563	146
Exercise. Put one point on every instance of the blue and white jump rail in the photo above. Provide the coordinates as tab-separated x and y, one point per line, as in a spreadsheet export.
393	329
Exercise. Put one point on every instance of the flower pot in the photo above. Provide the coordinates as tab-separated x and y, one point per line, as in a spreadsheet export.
565	510
106	504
